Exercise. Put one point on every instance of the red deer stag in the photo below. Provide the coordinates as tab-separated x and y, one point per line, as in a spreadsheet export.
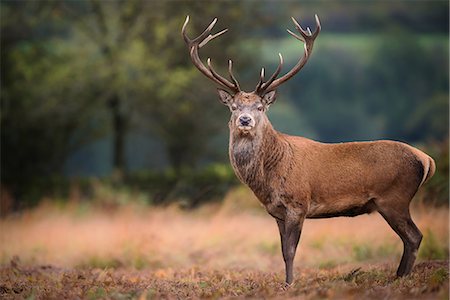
297	178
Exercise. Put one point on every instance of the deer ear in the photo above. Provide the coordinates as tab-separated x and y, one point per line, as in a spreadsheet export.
225	97
270	97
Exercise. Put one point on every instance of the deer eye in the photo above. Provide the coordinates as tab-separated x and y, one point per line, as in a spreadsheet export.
233	106
260	107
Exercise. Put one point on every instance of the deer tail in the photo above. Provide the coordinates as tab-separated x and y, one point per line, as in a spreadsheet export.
429	167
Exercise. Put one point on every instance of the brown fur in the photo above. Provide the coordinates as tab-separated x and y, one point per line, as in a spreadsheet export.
297	178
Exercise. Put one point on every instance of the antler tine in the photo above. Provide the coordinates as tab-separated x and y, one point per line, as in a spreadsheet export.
305	33
308	38
230	72
201	67
216	75
211	37
183	31
319	27
297	25
300	38
203	35
275	74
261	81
195	44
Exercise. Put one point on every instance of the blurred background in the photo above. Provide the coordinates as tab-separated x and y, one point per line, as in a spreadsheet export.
114	147
100	101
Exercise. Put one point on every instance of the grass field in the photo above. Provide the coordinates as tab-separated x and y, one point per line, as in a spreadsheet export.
219	250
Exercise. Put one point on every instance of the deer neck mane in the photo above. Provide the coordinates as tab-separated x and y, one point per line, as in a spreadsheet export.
255	156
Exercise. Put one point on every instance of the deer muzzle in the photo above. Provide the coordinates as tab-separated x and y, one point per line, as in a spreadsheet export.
245	122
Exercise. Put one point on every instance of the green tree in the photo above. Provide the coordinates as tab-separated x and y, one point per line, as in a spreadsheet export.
75	71
45	109
149	78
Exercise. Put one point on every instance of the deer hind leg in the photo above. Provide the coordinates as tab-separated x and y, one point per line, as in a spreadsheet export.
403	225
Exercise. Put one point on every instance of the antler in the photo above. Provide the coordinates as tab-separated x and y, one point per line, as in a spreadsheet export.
195	44
306	37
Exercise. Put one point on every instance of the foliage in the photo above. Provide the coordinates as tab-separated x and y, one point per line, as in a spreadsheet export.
73	249
46	112
429	280
436	190
76	73
431	248
361	87
189	188
364	251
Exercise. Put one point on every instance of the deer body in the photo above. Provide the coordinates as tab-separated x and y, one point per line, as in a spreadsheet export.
325	180
297	178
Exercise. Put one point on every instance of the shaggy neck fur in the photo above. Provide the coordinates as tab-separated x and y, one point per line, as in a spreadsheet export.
255	157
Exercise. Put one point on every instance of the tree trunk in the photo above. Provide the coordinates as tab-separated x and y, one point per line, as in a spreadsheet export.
119	131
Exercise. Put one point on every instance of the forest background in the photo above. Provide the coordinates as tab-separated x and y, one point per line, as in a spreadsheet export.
103	92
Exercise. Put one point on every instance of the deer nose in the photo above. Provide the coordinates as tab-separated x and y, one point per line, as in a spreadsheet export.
244	120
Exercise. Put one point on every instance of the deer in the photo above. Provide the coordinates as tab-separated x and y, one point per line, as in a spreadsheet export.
296	178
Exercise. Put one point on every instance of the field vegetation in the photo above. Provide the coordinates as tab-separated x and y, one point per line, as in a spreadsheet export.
105	249
115	179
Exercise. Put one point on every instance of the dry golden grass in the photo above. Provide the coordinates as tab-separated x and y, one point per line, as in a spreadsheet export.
225	250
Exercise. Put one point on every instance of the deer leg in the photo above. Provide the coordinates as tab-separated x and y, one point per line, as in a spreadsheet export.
280	224
411	236
292	229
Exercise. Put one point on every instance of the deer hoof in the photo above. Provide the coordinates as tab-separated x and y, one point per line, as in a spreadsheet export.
286	286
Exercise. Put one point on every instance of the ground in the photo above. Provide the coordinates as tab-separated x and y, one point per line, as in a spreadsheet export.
429	280
227	250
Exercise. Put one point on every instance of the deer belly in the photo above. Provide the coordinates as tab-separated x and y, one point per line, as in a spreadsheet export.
341	208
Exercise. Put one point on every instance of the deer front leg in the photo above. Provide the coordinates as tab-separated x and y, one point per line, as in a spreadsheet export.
290	236
280	224
281	229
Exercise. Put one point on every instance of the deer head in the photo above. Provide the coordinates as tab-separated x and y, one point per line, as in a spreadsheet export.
248	109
